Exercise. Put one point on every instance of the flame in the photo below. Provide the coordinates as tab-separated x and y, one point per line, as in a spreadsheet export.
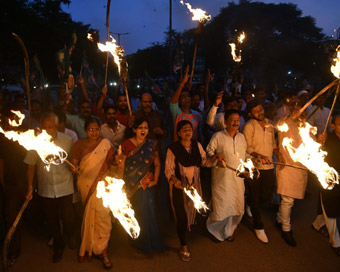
240	39
89	37
16	123
310	154
115	198
47	150
196	198
283	127
116	51
335	68
198	14
247	166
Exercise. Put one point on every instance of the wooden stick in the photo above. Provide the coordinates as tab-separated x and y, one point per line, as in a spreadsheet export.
11	232
198	31
289	165
314	98
332	108
27	71
127	99
108	36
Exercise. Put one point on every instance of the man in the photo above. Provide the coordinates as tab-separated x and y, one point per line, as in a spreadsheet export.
55	188
227	188
319	115
329	206
291	182
180	108
261	144
112	130
77	122
217	120
123	113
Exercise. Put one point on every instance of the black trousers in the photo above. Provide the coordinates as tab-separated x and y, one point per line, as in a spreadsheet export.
181	216
260	191
55	209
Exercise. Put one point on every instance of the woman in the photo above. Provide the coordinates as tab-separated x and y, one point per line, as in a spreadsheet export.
93	155
141	173
182	169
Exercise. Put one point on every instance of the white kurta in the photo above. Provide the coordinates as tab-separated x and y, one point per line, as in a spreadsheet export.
227	188
291	182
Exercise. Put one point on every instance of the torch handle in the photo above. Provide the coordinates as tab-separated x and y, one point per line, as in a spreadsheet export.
193	61
72	165
128	99
332	108
289	165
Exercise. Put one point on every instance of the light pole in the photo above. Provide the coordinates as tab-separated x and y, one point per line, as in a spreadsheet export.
119	34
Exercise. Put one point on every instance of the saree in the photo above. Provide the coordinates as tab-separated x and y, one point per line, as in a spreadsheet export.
96	225
137	165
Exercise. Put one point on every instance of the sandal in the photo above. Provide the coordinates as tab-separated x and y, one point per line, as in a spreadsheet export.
184	256
105	260
323	231
230	238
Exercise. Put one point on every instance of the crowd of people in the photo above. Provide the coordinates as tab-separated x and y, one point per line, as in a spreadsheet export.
176	141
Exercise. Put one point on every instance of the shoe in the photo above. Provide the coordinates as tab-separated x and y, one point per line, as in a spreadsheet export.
57	254
323	231
248	211
184	256
261	235
336	250
105	260
288	237
278	224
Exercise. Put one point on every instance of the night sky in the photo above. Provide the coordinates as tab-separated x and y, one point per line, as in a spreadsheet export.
147	20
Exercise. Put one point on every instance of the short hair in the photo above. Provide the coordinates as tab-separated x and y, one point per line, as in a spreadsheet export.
252	104
49	115
182	123
196	93
110	107
230	112
229	99
89	120
139	121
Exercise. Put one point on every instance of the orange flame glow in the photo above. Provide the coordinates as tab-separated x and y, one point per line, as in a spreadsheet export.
240	39
89	37
116	51
196	198
310	154
16	123
335	68
47	150
197	14
114	197
247	166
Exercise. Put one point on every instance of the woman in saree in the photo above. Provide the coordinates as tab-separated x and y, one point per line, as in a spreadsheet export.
182	169
141	173
92	156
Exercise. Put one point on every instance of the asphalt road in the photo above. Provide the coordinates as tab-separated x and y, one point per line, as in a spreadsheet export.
246	253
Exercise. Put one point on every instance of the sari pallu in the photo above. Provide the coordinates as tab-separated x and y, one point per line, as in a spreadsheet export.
96	226
137	165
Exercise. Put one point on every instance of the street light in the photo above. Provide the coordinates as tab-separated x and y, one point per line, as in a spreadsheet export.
119	34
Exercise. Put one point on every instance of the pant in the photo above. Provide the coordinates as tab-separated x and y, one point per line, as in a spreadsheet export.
333	230
260	191
283	215
55	209
181	216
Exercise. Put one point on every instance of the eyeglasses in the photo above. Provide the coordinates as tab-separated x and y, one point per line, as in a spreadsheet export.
93	129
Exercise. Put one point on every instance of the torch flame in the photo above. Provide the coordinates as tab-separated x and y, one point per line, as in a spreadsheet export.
115	198
197	14
283	127
116	51
89	37
247	166
240	39
47	150
196	198
16	123
310	154
335	68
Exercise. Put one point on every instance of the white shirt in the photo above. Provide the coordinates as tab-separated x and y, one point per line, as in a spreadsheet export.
260	140
115	138
217	120
319	119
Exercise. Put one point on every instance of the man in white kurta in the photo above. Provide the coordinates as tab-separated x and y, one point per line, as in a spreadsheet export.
227	188
291	182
